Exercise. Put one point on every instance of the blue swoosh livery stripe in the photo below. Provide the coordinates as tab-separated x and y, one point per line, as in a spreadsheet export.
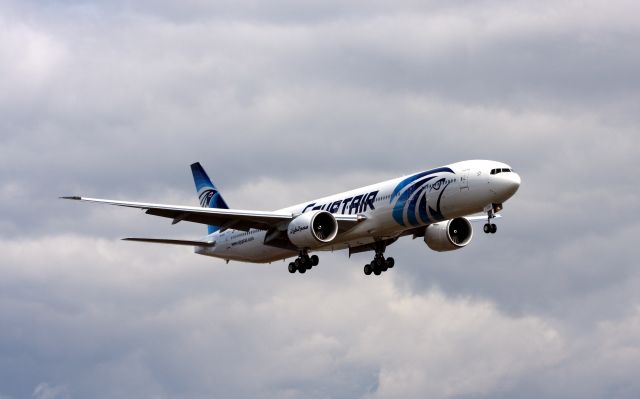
413	190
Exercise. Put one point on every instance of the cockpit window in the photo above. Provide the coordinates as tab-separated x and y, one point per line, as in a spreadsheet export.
500	170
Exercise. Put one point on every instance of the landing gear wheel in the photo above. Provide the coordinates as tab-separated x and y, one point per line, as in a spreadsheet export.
303	262
390	263
487	228
494	228
379	263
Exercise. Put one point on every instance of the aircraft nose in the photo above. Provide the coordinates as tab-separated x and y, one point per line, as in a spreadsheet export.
507	184
512	183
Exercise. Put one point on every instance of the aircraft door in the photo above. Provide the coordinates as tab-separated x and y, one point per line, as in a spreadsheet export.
463	180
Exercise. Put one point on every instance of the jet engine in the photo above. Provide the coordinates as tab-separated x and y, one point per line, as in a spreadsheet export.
312	229
449	235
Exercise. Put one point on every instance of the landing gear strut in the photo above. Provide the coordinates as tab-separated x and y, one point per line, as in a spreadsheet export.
303	262
490	228
379	264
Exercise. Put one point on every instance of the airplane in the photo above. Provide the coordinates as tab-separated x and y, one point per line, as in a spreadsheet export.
436	205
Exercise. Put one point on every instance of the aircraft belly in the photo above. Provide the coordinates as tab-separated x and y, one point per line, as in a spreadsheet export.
255	251
379	225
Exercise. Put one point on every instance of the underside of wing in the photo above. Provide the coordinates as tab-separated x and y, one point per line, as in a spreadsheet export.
346	222
481	218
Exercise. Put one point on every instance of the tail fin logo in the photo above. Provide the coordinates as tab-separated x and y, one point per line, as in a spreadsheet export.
205	197
207	194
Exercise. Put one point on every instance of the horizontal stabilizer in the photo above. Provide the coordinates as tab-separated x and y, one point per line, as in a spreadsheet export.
174	242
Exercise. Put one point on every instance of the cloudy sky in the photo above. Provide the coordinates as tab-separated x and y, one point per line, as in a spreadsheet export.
283	101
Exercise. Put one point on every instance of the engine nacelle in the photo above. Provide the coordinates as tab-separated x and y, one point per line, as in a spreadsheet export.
312	229
447	236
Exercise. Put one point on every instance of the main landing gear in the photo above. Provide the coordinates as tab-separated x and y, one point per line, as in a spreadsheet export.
379	264
490	228
303	263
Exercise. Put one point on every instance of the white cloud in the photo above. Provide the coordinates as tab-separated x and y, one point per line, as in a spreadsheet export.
436	346
147	315
28	55
283	102
125	307
45	391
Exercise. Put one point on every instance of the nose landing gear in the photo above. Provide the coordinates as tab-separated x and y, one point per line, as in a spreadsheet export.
490	228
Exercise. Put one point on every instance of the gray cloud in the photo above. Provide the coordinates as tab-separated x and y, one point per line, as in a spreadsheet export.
283	102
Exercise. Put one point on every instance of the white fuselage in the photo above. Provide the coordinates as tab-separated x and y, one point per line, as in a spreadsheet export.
389	209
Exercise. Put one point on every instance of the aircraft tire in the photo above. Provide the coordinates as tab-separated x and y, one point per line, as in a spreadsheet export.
314	260
390	262
368	269
302	269
494	228
377	271
292	267
487	228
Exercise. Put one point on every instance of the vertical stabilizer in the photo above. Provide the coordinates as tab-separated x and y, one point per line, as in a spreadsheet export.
207	192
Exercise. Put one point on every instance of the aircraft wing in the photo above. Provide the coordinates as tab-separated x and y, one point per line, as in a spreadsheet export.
225	218
481	218
173	242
